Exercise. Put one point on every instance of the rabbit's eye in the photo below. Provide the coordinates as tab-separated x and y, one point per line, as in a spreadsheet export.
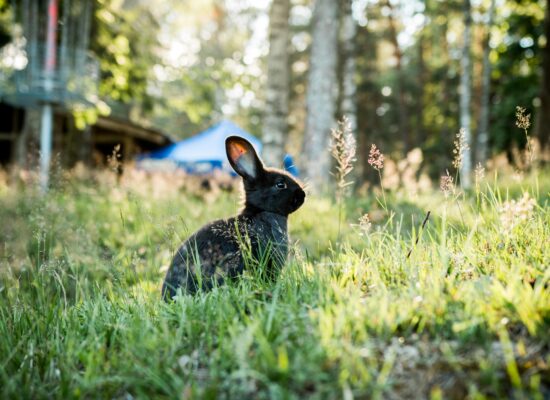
280	185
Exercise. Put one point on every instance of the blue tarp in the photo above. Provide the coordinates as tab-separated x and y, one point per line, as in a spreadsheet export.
201	153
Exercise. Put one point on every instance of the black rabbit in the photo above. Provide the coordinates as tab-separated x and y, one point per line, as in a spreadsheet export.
215	252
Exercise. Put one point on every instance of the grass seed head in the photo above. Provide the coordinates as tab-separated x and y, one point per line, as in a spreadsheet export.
364	225
460	146
523	121
479	173
447	184
343	149
376	158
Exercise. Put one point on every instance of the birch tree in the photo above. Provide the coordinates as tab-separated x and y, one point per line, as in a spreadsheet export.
348	105
483	130
321	93
465	97
278	77
420	138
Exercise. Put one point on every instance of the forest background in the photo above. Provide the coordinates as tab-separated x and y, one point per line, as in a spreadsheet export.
407	74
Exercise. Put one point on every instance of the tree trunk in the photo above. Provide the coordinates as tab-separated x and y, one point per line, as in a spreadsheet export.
465	97
348	105
483	129
420	136
543	119
367	101
278	77
446	98
321	93
401	103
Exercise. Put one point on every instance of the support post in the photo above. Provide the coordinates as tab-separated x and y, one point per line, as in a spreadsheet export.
47	111
45	145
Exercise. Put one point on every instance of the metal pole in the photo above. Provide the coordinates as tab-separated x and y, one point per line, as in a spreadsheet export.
47	111
45	145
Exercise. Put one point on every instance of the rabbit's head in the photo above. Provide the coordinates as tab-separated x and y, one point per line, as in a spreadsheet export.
266	189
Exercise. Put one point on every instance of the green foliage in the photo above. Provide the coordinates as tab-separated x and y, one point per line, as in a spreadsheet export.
467	314
180	66
517	69
431	72
125	40
5	19
195	86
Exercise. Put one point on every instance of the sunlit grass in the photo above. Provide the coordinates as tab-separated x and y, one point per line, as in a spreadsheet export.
467	314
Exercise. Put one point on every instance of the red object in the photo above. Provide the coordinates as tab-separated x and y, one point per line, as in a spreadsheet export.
51	42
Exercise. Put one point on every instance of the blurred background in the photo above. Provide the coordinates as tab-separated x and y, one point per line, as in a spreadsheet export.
81	80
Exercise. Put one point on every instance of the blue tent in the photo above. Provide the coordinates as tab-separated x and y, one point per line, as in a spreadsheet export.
202	153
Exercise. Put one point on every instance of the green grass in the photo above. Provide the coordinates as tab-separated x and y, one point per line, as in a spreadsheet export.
467	315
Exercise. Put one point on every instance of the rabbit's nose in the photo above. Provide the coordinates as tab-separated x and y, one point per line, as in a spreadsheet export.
299	197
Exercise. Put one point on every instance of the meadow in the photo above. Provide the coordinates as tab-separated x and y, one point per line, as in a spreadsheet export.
366	307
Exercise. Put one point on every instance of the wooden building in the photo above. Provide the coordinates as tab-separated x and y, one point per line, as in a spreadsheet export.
19	138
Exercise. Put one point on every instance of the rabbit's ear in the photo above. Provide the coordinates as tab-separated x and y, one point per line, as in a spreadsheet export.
243	157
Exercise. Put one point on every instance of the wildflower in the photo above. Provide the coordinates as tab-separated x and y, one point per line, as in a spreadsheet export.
446	184
512	213
343	150
460	146
523	121
376	158
364	225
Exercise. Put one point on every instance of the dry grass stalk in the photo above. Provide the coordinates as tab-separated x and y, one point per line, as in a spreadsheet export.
479	175
343	149
420	232
460	146
447	184
365	225
523	121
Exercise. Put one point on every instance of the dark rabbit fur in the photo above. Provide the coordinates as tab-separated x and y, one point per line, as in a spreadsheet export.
215	252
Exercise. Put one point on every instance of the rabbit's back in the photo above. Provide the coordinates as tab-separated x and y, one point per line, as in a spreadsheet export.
215	253
198	261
